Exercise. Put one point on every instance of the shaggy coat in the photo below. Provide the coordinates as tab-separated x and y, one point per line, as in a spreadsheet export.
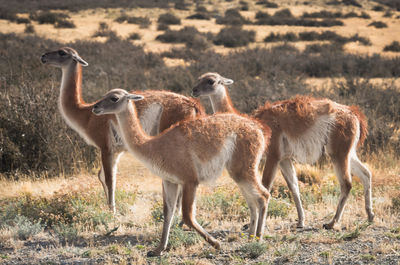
302	128
195	151
157	112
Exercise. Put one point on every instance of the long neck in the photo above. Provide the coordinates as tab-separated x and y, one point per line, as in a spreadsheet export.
132	133
71	87
221	102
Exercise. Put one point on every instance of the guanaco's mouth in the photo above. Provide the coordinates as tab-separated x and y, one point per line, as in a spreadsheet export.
195	93
96	110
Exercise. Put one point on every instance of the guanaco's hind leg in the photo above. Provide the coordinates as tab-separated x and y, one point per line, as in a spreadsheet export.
188	213
360	170
248	192
262	201
170	196
289	173
271	165
257	198
343	174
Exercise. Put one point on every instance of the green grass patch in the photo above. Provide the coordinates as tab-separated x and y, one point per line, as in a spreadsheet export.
231	204
117	249
66	233
368	257
278	208
179	237
125	200
325	254
348	236
253	250
396	204
157	212
87	211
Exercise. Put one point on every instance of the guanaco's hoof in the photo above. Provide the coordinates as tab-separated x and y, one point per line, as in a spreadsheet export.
371	218
327	226
153	253
217	245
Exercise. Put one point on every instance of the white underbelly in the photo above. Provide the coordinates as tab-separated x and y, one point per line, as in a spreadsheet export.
209	171
308	147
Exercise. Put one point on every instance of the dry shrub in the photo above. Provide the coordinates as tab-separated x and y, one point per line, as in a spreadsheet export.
345	2
390	3
378	8
104	30
323	48
377	24
337	14
392	47
178	36
234	37
267	3
168	19
144	22
316	36
181	5
134	36
64	23
26	6
34	136
48	17
29	28
202	16
232	17
285	17
22	20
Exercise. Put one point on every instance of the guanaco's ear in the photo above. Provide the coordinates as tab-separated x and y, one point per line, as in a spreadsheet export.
79	60
226	81
135	97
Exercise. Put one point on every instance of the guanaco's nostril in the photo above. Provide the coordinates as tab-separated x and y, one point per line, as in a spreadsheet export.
95	106
43	58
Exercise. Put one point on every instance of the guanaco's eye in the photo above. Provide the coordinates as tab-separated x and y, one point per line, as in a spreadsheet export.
62	53
210	82
114	99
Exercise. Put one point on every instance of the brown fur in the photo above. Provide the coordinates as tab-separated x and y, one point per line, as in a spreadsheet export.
363	123
290	120
180	153
177	107
293	116
97	128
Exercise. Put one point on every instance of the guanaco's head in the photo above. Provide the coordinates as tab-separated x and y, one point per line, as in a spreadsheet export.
62	57
209	84
114	101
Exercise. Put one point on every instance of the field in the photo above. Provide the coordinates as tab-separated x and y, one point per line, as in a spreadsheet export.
52	206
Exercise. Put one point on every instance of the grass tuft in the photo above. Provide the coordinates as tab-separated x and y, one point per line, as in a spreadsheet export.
277	208
24	228
181	238
354	234
253	250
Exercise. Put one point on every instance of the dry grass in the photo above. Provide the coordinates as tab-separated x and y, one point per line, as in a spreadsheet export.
220	206
87	22
222	210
